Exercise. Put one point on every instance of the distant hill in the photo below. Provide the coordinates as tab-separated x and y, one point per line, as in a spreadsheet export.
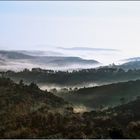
64	61
135	64
40	53
133	59
130	63
14	55
27	60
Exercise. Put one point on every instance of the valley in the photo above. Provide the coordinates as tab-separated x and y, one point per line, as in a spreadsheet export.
45	103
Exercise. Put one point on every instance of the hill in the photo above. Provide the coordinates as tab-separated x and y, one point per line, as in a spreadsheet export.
22	60
63	61
120	122
106	95
14	55
28	112
131	65
19	100
13	94
85	77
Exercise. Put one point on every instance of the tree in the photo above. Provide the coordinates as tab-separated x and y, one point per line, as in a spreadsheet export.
116	133
33	86
21	83
122	100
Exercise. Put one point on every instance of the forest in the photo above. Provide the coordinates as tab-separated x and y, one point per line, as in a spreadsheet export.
26	111
101	75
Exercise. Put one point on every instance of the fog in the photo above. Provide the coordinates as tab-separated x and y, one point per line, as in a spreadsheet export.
19	65
104	56
81	108
49	87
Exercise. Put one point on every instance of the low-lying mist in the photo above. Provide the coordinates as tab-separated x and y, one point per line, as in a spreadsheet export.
60	88
25	64
102	55
95	96
42	59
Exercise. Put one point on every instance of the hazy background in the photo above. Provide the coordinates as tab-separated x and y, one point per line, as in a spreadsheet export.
34	25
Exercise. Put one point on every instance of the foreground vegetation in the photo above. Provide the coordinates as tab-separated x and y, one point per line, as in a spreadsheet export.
28	112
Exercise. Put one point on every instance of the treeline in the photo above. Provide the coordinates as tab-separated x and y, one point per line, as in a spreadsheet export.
100	76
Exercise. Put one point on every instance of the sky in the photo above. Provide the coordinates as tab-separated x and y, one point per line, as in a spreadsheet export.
43	25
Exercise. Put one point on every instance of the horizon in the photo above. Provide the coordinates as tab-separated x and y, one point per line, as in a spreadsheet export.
48	25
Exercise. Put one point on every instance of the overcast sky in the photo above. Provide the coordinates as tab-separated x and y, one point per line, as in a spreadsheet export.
40	25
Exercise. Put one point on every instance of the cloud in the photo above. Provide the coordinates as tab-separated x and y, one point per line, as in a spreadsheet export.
87	49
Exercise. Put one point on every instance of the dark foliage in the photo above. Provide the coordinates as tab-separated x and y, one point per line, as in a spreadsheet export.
28	112
99	76
106	95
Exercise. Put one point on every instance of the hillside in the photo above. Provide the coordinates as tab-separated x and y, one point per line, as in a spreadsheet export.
120	122
17	101
14	94
134	64
28	112
106	95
